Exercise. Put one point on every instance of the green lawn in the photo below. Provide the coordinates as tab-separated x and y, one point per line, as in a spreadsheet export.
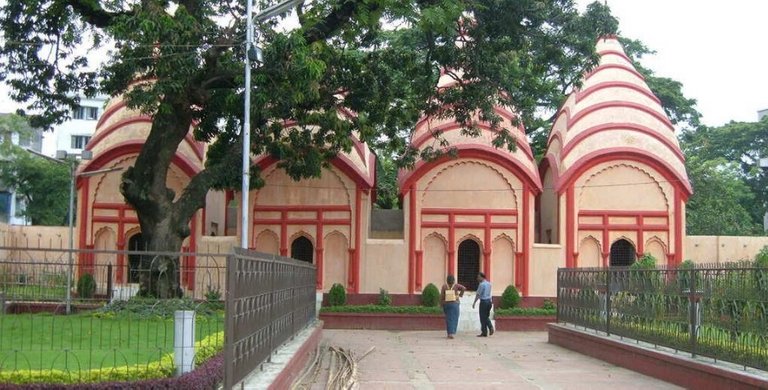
33	292
84	341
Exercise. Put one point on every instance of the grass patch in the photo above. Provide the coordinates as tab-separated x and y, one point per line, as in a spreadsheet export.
33	292
525	312
90	341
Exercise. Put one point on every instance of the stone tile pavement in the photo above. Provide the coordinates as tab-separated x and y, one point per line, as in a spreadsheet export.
506	360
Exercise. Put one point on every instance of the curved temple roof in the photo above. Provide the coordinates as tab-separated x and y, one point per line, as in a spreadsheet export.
522	158
614	112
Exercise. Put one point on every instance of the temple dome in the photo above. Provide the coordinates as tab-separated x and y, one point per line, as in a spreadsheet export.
522	158
613	113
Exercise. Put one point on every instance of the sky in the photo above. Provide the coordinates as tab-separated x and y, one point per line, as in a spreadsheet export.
718	50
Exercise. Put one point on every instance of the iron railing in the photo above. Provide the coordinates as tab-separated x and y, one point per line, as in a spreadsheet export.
269	300
719	312
30	274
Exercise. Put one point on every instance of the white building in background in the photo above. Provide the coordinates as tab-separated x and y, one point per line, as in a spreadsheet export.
762	114
11	205
74	134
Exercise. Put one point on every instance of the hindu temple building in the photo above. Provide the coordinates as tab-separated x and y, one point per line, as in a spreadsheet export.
322	221
105	221
611	187
614	175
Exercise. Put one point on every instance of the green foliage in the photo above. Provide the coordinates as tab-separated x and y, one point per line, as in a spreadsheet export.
212	295
337	296
510	298
383	309
730	189
525	312
158	308
761	259
384	298
162	368
387	191
42	183
647	261
86	286
549	305
430	296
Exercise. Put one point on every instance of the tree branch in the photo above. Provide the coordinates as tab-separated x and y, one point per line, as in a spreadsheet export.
336	19
91	11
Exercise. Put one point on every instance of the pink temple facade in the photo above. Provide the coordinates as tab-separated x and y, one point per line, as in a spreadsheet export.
611	187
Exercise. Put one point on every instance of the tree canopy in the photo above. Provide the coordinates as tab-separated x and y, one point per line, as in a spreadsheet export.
730	188
181	62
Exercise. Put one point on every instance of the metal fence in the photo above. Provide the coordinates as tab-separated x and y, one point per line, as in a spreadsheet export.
719	312
269	300
28	274
128	339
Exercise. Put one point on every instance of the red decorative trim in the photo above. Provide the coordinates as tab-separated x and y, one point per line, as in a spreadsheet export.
624	153
319	249
451	244
83	196
479	152
573	120
583	94
620	126
196	147
619	53
419	269
284	237
526	237
603	67
358	238
452	126
134	147
411	238
679	228
623	227
570	228
640	236
624	213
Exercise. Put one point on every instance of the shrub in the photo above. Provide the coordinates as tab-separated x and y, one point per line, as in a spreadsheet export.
761	259
525	312
382	309
548	305
647	261
337	296
384	298
86	286
510	298
430	296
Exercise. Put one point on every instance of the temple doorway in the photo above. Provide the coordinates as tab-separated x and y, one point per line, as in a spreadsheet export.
135	243
469	264
622	253
302	249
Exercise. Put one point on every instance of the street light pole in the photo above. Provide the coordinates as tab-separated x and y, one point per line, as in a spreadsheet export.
245	188
250	50
71	233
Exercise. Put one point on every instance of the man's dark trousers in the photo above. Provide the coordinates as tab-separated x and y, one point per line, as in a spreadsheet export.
485	314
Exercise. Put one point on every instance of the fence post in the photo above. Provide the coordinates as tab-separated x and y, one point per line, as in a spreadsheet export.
558	307
608	301
271	336
184	341
692	312
109	282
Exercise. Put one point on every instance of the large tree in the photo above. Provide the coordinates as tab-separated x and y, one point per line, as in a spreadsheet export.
727	158
377	58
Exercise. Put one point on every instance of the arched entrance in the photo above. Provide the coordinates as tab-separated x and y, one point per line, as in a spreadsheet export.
622	253
302	249
468	264
135	243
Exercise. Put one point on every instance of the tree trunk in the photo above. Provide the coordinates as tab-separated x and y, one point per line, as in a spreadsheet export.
164	218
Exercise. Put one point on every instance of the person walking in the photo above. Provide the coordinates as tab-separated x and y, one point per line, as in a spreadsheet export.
449	297
484	296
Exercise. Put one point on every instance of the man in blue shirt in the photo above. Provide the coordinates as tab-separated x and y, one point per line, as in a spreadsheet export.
484	296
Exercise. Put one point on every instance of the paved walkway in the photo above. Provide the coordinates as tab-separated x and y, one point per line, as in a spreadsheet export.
507	360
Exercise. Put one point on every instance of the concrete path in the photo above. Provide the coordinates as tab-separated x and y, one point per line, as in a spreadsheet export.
507	360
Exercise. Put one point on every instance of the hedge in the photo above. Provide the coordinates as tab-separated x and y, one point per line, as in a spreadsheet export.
161	369
518	311
525	312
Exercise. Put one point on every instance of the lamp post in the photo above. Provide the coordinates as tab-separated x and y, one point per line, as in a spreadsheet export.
763	163
252	53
